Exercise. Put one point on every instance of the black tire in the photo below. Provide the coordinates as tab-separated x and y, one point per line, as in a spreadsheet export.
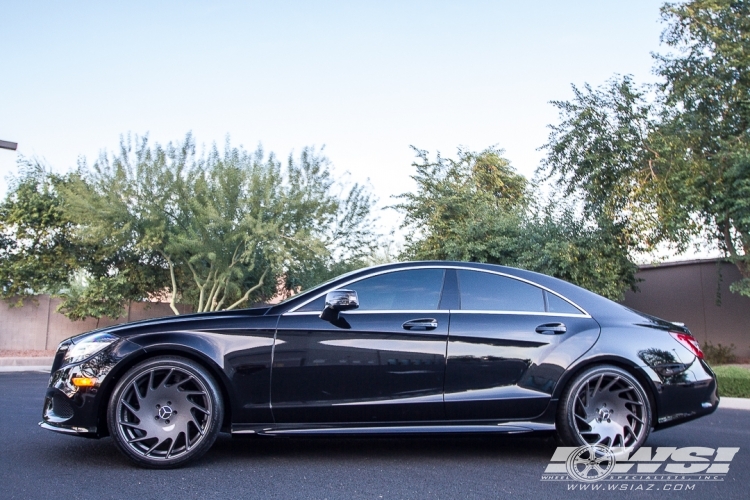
165	412
604	405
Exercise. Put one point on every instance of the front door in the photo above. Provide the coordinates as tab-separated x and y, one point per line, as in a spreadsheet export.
383	362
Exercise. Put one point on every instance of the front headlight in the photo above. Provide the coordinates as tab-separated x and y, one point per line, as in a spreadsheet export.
87	346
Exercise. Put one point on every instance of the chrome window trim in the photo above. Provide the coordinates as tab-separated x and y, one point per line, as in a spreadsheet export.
526	313
583	314
370	311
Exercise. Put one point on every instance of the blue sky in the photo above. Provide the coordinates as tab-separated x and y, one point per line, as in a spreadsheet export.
367	79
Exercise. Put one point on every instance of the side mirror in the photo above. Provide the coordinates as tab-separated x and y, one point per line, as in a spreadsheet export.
337	301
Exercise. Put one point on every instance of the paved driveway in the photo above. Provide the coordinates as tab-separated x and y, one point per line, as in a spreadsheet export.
38	464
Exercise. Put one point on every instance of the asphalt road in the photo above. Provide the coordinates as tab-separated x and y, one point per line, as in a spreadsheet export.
38	464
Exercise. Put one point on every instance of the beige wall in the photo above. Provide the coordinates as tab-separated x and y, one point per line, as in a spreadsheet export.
684	292
687	292
37	325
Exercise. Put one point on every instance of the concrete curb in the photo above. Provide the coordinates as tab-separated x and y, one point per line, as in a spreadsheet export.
38	364
30	361
26	368
735	403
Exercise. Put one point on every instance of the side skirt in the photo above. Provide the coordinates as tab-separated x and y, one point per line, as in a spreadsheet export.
332	430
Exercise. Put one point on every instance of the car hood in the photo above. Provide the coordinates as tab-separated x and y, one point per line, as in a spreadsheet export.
186	321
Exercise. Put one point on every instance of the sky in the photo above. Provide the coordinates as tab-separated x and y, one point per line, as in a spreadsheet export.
364	79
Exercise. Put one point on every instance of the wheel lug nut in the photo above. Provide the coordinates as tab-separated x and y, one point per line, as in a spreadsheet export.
169	402
158	406
167	421
156	417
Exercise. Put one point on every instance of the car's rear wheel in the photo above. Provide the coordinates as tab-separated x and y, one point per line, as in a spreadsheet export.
604	405
165	412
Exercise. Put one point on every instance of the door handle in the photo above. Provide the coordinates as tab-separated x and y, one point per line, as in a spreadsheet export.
551	329
421	324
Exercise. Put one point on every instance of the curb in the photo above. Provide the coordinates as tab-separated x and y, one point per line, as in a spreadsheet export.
26	368
29	361
38	364
734	403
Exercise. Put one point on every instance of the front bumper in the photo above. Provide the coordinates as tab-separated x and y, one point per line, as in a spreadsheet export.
82	410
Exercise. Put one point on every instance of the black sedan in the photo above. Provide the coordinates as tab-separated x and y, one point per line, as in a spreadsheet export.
419	347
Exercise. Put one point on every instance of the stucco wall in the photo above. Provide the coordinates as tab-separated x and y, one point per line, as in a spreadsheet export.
688	291
37	324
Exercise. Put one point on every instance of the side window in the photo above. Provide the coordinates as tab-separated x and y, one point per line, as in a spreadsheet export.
557	305
316	305
489	292
417	289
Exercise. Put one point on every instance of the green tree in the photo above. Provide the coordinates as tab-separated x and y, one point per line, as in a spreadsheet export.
707	116
231	227
477	208
40	253
37	254
669	163
604	153
462	207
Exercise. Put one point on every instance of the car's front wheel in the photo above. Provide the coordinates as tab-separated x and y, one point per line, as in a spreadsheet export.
604	405
165	412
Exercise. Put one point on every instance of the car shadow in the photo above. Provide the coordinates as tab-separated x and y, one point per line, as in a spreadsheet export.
259	448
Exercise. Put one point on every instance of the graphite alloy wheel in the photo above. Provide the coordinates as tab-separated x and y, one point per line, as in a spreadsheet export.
165	412
604	405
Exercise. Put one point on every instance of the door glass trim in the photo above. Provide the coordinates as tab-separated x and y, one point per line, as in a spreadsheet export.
437	266
374	311
524	313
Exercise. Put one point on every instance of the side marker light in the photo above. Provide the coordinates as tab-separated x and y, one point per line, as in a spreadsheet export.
84	381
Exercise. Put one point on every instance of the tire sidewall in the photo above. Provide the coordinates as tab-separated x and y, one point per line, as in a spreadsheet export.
213	427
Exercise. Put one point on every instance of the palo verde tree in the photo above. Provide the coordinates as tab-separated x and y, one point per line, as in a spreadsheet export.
230	227
40	253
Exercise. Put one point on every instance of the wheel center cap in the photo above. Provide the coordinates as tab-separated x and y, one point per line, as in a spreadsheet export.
165	412
604	413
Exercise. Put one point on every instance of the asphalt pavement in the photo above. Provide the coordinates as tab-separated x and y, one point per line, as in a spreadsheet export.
39	464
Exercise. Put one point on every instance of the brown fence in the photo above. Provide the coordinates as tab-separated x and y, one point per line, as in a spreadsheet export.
38	326
696	293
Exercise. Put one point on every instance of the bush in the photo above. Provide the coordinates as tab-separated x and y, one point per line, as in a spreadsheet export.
719	354
734	382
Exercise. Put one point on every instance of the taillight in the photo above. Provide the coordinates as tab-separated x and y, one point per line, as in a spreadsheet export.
689	342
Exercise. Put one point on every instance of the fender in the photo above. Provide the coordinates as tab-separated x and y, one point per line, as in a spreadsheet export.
239	359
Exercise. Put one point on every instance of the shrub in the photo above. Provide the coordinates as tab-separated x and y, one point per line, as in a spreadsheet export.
719	354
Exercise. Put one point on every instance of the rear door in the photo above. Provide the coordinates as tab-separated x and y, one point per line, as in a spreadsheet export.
501	359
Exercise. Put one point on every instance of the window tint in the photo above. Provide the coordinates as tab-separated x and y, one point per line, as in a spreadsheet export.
399	290
558	305
316	305
490	292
